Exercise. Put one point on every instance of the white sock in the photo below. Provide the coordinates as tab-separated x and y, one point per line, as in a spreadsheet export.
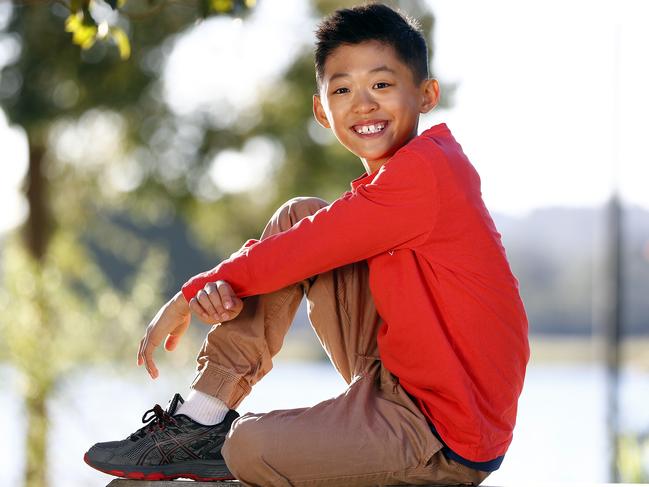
203	408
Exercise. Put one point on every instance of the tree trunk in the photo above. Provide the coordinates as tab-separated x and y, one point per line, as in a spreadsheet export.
37	236
37	227
37	428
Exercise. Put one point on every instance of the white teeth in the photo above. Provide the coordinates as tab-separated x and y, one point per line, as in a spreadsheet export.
369	129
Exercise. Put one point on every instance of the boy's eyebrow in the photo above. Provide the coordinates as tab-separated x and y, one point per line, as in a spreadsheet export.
375	70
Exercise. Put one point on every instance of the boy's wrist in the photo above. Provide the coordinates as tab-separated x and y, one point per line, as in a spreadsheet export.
179	302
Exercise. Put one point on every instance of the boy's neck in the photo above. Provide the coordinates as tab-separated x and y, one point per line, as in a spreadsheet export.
371	166
374	165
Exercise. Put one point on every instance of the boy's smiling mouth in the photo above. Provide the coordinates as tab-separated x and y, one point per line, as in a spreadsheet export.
370	128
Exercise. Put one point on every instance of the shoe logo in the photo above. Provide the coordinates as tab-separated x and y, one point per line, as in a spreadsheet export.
170	445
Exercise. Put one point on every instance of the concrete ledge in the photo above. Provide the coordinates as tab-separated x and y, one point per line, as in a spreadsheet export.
234	483
170	483
223	483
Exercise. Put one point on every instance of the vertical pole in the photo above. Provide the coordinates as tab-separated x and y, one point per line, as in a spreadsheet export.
614	279
614	315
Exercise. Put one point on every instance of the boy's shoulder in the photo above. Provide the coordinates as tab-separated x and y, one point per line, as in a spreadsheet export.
429	145
435	134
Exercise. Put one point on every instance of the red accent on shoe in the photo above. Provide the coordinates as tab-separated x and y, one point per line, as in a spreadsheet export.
156	475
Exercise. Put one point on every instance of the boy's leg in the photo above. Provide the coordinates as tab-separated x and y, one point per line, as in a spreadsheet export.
234	357
372	434
239	352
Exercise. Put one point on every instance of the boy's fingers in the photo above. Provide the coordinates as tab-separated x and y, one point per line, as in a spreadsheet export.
151	368
198	310
139	353
146	354
175	335
227	294
238	304
216	301
150	364
205	300
143	346
171	342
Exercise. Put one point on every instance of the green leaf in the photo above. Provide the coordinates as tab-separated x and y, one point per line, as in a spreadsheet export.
83	33
222	6
73	22
88	19
121	39
115	4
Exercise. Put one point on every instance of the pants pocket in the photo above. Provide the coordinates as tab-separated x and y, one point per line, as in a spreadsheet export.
429	445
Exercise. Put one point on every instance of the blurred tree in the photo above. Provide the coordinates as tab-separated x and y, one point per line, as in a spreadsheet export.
98	117
632	461
88	26
59	310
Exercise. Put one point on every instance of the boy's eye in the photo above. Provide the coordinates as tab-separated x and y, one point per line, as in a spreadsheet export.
340	90
382	84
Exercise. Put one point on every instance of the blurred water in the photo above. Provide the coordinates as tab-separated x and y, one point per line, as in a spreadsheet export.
560	435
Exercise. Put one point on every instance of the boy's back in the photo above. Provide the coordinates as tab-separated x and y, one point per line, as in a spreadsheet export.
460	306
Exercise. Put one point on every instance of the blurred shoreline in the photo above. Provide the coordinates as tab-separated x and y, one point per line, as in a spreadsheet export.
587	349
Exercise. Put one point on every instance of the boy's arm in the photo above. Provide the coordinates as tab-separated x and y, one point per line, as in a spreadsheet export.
398	208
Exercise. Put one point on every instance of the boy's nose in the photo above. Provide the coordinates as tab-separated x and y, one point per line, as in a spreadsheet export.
364	102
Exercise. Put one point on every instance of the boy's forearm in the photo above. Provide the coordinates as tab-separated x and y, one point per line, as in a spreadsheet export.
396	211
179	301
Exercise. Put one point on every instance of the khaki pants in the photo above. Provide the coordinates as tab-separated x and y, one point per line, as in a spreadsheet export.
371	435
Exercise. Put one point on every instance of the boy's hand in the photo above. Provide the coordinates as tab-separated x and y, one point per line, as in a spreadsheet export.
216	303
170	323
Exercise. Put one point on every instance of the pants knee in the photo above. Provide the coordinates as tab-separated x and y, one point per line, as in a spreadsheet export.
302	206
243	447
292	212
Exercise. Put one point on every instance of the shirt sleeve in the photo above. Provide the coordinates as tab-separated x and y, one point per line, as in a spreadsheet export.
397	209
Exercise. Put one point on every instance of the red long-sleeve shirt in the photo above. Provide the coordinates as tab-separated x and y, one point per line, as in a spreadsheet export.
454	327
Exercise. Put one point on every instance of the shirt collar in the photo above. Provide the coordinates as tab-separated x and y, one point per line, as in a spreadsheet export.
363	178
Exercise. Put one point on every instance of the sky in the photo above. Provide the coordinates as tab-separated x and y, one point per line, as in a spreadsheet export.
551	106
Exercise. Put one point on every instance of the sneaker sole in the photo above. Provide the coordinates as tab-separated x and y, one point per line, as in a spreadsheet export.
204	471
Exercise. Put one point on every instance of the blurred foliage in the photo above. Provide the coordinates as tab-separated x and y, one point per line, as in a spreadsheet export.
88	319
59	313
634	458
86	24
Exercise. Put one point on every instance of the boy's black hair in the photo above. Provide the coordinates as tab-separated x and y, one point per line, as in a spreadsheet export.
372	22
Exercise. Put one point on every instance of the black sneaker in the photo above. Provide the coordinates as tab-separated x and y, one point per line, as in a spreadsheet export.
169	446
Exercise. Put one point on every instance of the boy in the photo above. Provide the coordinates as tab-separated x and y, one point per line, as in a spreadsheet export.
409	291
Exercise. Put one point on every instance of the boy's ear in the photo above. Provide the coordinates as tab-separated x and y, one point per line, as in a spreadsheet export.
319	112
430	95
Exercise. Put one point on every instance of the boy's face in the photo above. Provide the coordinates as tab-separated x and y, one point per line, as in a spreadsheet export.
369	98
